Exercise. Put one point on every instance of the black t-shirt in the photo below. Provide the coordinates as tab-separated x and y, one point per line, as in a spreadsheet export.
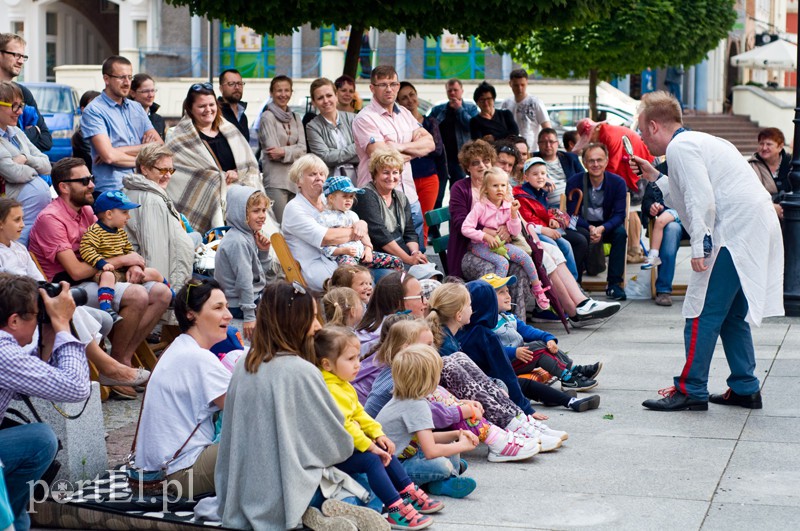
222	150
448	131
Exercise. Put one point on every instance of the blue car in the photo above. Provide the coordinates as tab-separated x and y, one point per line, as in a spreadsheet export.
59	106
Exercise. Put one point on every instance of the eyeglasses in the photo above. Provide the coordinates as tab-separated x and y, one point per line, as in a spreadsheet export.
591	162
147	91
164	171
422	298
15	107
479	162
234	84
83	180
298	290
383	86
121	78
17	56
202	86
190	285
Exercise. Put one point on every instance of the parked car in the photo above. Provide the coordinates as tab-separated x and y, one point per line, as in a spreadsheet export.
59	106
564	117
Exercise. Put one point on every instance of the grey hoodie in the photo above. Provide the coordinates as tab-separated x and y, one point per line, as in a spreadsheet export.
240	266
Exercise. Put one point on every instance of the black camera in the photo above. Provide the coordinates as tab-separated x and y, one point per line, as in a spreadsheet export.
52	289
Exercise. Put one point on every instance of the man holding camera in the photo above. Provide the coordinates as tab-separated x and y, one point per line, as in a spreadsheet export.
55	240
59	373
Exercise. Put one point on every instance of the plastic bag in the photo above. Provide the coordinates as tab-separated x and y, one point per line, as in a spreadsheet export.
638	286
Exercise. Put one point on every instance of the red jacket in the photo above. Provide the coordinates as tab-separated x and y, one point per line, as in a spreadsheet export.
530	209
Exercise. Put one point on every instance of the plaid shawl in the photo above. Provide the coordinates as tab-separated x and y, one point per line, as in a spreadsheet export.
198	187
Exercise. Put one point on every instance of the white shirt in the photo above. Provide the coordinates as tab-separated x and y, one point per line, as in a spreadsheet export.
715	191
180	395
530	114
304	232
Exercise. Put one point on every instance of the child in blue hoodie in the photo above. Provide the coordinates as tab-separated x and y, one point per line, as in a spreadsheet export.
528	348
242	261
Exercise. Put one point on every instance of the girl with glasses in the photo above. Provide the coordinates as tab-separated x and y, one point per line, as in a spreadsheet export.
143	91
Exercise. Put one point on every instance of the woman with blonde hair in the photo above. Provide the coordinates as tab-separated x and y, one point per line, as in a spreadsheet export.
302	227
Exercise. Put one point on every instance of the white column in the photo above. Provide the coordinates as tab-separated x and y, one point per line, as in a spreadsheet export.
297	53
506	66
689	89
400	41
196	44
127	39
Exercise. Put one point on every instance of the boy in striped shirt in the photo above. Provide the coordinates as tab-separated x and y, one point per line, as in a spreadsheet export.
107	239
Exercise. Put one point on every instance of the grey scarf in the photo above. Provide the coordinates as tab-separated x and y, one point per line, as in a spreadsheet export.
282	116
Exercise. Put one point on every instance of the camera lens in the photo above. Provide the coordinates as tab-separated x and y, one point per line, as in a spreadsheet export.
79	296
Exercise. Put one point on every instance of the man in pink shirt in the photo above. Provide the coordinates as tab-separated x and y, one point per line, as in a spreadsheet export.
383	123
55	241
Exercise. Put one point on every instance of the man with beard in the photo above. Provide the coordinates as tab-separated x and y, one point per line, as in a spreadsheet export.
116	126
55	241
12	57
230	101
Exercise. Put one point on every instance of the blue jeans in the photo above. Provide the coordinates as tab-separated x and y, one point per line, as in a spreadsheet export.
416	216
423	471
671	242
386	482
565	248
723	316
26	452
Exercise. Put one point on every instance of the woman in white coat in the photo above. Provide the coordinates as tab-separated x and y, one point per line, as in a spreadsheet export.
21	163
156	230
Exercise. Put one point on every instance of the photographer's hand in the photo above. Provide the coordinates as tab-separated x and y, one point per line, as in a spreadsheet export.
60	308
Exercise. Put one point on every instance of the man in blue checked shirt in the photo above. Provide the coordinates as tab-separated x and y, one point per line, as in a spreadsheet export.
62	374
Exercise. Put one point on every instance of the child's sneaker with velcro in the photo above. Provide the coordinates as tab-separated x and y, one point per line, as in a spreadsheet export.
421	501
513	447
404	516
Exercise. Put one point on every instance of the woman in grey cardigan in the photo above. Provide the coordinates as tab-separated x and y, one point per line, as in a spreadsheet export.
282	141
330	134
21	163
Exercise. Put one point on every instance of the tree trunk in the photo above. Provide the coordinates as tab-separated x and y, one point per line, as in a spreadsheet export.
593	94
353	52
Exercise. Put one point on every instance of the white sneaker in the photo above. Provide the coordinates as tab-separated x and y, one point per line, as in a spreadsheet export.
549	443
513	447
593	309
652	261
546	430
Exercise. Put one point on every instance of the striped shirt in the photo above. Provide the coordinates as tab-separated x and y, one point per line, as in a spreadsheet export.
65	377
100	242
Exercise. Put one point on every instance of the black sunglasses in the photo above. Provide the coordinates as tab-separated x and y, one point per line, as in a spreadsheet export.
508	150
201	86
83	180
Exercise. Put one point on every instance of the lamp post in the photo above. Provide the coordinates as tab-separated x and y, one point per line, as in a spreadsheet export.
791	218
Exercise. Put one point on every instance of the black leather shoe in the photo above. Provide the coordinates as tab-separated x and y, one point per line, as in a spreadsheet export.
729	398
676	401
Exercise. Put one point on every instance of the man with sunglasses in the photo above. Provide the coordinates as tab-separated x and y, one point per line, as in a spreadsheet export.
231	88
12	58
55	241
383	123
116	126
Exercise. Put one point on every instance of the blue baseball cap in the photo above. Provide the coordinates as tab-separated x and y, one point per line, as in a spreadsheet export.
340	183
111	200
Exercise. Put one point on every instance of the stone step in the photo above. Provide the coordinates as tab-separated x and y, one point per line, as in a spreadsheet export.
739	130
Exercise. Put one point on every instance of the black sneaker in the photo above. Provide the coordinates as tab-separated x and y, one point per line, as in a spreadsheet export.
674	400
578	383
589	372
615	292
585	404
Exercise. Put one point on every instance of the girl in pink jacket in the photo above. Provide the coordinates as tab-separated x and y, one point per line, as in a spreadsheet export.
492	211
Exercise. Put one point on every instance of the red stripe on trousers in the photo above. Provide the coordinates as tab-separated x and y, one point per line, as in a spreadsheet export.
689	356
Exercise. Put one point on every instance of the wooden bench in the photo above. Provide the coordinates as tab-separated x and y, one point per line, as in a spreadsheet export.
291	267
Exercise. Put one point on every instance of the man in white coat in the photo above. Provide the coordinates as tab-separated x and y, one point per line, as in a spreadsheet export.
737	254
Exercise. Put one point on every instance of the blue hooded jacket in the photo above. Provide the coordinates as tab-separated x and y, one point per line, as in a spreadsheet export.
479	342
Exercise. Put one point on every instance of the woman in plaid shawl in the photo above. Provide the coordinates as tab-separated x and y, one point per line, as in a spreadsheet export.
210	154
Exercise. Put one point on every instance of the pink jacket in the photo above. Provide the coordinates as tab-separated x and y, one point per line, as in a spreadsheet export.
486	215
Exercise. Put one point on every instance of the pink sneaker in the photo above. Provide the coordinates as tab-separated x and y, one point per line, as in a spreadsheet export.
541	298
512	447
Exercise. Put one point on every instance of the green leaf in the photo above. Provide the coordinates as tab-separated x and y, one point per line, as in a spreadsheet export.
608	416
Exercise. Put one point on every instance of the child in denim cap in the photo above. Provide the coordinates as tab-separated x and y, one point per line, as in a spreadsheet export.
340	195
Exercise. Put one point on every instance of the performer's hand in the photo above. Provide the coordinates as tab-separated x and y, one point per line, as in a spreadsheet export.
647	169
699	265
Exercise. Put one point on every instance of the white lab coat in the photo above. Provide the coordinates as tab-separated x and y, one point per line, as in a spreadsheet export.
715	191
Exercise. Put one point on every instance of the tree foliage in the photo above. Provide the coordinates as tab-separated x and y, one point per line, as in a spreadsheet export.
647	33
491	20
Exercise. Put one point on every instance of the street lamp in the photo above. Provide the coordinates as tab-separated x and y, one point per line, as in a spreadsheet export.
791	218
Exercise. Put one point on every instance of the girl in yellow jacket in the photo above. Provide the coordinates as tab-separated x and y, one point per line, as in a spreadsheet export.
338	352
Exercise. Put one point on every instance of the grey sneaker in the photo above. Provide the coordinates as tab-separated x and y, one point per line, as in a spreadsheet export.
663	299
314	519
